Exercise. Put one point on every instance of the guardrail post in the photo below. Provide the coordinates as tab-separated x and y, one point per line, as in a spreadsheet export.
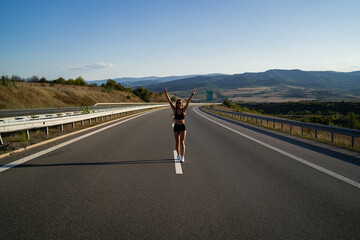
73	125
290	129
1	140
96	120
282	126
302	131
47	131
316	133
62	127
90	121
82	122
332	136
274	124
352	141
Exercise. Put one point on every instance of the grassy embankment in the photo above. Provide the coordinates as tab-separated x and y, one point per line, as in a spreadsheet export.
23	95
324	114
46	95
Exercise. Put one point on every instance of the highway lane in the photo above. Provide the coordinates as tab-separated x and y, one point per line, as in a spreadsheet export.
121	184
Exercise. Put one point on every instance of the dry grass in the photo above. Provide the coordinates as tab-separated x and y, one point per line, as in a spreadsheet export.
229	92
268	99
340	140
267	94
158	97
43	95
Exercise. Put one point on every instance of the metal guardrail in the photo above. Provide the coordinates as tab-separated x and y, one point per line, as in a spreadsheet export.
316	127
151	103
46	123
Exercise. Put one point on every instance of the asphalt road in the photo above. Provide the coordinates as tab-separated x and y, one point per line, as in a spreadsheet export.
121	183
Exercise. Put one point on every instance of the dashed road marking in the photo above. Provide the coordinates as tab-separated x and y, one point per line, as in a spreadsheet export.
178	168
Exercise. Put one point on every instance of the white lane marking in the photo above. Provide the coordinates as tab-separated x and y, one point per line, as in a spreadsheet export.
326	171
28	158
178	168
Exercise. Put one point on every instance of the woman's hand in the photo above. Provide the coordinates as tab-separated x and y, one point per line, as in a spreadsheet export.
165	90
194	91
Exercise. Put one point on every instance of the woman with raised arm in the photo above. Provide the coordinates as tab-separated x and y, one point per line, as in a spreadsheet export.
179	126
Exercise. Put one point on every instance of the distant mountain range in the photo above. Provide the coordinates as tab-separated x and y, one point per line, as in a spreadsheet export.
147	81
324	80
281	84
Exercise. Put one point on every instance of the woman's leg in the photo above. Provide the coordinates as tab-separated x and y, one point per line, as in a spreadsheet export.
182	142
177	142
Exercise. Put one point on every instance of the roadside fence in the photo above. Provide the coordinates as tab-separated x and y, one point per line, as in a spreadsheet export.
69	118
353	133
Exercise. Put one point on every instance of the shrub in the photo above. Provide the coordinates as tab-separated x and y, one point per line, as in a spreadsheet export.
228	103
86	109
79	81
5	81
353	122
143	93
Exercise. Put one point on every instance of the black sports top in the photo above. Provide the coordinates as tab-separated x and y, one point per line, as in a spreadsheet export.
179	116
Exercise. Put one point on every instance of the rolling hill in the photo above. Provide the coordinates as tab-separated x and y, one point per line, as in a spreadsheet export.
147	81
324	80
272	85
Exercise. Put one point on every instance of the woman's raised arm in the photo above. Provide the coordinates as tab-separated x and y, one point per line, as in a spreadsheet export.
189	100
169	100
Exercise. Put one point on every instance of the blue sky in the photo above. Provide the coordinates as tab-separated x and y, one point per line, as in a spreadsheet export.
111	39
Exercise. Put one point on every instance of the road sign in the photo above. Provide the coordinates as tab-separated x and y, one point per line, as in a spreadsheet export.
209	95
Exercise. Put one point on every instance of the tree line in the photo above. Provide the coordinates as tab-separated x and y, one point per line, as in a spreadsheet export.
11	81
111	85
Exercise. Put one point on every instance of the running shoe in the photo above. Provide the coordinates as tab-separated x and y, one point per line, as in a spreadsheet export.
182	159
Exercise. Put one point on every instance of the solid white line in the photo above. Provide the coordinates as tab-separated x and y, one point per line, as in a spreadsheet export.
178	168
28	158
326	171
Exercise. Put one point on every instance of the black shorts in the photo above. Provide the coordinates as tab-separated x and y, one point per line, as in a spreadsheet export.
179	128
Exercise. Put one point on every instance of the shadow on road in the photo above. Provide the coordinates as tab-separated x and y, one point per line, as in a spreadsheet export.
341	156
154	161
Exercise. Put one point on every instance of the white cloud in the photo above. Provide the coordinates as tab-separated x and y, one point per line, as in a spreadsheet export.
94	66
